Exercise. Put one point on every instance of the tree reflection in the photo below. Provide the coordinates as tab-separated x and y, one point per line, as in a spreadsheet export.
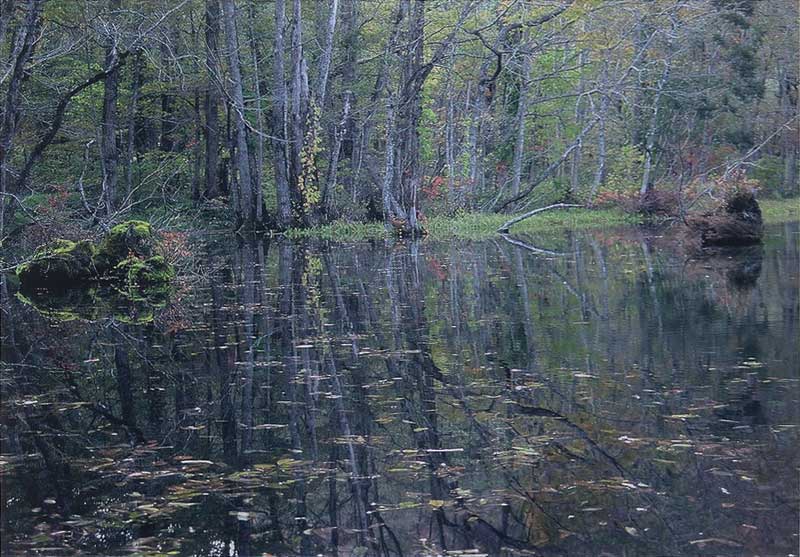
414	399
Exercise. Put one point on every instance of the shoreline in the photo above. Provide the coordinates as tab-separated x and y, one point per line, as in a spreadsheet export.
477	226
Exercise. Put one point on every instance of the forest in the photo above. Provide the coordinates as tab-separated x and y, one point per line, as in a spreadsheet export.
387	278
279	115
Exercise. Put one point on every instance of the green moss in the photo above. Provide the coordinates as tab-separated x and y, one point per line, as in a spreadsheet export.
133	237
475	226
142	279
68	280
58	265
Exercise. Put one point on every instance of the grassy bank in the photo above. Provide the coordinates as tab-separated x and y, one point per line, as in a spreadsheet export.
476	226
776	211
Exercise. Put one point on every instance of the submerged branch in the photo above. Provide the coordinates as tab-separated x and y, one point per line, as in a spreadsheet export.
533	249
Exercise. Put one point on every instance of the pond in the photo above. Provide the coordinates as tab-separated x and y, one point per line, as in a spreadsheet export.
592	393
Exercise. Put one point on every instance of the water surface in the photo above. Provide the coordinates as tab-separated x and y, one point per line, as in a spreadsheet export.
586	394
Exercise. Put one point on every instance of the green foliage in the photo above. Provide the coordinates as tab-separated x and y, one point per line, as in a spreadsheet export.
308	181
722	98
427	125
624	169
776	211
768	172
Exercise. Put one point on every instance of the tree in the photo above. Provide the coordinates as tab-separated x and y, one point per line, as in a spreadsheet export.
212	98
108	125
22	51
246	206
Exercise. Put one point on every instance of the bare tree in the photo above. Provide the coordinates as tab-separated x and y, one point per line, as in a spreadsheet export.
212	98
280	147
246	203
22	51
108	125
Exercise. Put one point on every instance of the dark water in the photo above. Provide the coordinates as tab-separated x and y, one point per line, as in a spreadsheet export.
615	398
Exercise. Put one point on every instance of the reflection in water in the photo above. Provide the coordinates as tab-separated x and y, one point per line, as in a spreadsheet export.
605	396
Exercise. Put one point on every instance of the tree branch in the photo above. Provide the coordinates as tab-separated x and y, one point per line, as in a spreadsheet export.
515	220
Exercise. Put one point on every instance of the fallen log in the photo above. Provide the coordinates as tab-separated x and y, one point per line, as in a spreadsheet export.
504	229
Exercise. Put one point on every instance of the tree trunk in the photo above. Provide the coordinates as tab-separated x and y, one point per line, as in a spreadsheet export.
407	161
108	126
788	91
449	136
136	85
259	155
299	112
333	167
652	132
197	149
279	143
23	50
212	96
381	88
246	204
350	31
409	111
390	208
600	173
522	109
327	55
475	168
166	141
580	117
58	119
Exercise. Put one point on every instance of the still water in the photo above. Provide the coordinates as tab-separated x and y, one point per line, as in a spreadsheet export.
598	394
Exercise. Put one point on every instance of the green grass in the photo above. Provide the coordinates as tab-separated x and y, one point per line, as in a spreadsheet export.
342	231
475	226
776	211
478	226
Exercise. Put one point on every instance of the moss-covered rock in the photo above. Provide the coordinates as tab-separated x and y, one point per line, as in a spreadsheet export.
59	265
130	238
70	280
